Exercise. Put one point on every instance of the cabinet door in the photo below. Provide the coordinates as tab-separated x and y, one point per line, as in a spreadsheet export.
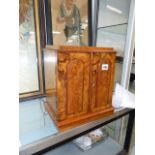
73	84
102	72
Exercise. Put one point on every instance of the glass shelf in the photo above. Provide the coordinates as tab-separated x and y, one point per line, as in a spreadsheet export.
112	24
34	122
37	131
107	147
113	12
112	36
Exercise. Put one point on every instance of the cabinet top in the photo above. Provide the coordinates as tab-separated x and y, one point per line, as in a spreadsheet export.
64	48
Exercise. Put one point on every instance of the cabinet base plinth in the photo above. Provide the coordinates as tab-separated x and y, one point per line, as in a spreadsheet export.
77	120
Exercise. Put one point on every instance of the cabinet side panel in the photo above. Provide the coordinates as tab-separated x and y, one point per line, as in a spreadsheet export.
50	62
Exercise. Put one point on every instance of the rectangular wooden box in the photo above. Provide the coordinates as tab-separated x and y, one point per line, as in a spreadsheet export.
79	83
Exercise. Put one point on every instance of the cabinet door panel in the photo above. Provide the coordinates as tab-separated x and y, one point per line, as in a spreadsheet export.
73	98
75	80
102	69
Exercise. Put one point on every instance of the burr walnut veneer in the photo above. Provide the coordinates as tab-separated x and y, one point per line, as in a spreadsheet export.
79	83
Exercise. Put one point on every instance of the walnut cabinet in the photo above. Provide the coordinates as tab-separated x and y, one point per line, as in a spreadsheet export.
79	83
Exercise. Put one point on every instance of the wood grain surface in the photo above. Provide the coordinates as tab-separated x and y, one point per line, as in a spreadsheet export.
83	85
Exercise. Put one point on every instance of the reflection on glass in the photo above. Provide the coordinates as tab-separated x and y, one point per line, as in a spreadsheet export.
114	131
113	37
30	59
112	24
28	70
112	28
132	76
118	72
70	22
113	12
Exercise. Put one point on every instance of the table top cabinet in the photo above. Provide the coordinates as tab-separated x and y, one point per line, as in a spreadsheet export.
79	83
